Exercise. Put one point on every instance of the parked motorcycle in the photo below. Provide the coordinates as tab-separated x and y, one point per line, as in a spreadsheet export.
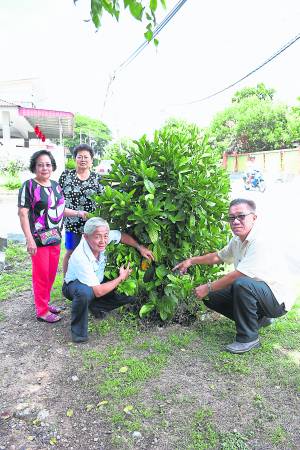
254	181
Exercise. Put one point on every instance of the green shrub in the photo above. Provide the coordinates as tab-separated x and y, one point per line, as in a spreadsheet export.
70	163
11	173
171	195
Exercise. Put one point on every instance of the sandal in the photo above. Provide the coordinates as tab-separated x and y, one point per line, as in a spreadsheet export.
50	318
54	309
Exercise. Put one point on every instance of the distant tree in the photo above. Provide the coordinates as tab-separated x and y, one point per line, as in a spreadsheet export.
123	146
251	125
260	91
89	131
294	122
139	10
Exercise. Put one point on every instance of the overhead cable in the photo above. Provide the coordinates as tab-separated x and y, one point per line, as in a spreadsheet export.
277	53
156	31
134	54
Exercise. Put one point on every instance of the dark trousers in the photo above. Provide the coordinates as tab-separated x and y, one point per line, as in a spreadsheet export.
245	301
83	299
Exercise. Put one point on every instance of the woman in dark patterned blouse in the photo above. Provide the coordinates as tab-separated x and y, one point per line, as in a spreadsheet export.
42	207
78	185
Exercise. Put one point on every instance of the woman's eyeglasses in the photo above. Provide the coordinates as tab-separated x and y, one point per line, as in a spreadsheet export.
85	158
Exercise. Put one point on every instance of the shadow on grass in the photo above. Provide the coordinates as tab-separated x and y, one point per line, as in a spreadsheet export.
278	356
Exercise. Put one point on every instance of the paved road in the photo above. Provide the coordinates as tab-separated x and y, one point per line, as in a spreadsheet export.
9	222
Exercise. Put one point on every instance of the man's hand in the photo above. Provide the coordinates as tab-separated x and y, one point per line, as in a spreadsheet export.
201	291
31	246
125	272
145	252
183	266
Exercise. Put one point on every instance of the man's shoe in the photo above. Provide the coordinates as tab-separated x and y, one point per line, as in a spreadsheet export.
242	347
265	322
79	339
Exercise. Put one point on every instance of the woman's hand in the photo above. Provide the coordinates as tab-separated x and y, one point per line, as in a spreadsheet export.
83	215
31	246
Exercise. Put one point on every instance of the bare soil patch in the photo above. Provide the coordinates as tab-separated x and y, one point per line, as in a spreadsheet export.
42	378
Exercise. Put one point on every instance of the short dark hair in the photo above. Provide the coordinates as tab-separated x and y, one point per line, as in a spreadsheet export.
36	155
83	147
246	201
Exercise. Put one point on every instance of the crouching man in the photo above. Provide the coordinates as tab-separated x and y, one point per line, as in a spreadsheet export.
84	281
257	290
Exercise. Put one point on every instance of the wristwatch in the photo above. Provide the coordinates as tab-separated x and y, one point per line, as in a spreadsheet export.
209	286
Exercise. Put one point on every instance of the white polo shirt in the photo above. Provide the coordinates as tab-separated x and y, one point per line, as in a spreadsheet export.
259	258
84	266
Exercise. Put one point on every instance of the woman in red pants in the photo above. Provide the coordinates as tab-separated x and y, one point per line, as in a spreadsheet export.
41	210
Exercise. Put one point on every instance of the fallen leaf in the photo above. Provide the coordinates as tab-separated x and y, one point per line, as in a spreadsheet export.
89	408
123	369
36	422
53	441
70	413
128	409
102	403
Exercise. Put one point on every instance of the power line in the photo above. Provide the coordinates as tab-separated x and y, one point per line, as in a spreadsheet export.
156	31
134	54
277	53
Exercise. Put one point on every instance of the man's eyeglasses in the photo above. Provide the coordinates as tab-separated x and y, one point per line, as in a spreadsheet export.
239	217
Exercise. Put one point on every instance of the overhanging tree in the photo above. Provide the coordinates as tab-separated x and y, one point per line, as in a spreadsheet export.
144	10
171	194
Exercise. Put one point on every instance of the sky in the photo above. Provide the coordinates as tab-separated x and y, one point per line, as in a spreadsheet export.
204	48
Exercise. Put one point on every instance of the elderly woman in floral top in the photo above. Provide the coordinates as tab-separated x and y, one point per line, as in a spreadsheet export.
41	210
78	186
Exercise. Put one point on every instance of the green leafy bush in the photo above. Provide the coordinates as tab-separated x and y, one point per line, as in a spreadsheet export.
11	171
70	164
171	194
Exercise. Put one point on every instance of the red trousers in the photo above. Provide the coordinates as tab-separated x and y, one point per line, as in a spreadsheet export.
44	269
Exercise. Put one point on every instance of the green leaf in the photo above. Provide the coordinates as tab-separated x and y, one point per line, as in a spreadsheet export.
161	271
149	186
192	220
153	5
136	9
146	310
148	35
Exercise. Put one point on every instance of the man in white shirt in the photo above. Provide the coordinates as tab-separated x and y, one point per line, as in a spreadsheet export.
84	281
257	289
